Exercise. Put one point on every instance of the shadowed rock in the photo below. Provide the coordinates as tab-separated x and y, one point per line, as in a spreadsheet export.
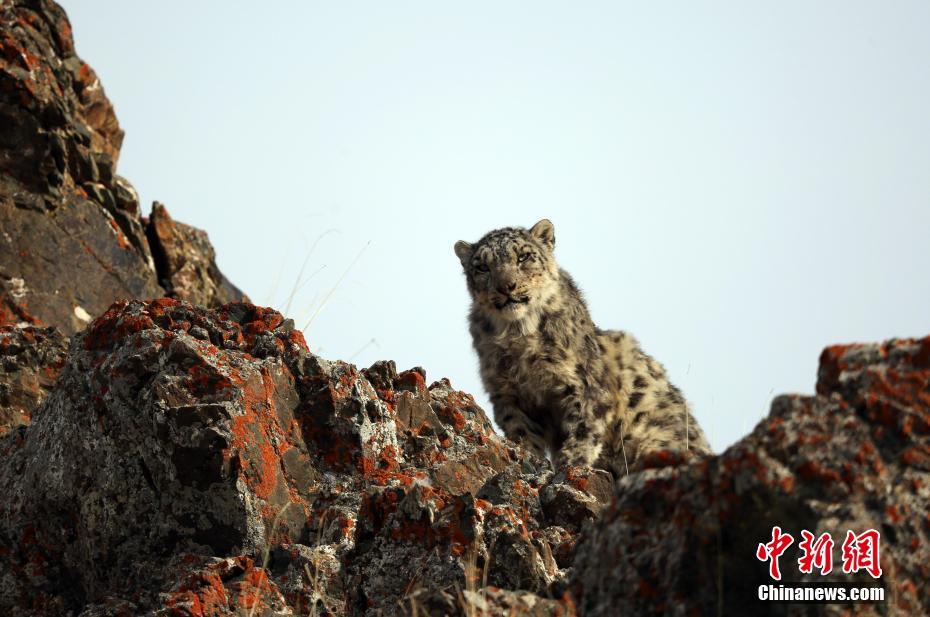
186	262
202	461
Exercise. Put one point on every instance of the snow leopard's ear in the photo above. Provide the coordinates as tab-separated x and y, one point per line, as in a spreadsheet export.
463	250
544	231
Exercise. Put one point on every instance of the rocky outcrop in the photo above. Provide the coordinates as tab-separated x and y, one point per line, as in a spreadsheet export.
683	540
72	239
205	462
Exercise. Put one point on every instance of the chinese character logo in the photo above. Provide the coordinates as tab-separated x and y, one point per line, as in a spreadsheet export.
862	553
773	550
817	553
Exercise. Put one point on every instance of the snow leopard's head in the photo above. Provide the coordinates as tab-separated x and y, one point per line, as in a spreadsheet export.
511	272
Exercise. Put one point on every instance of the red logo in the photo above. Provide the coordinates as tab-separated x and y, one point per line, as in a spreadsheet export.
773	550
817	553
862	553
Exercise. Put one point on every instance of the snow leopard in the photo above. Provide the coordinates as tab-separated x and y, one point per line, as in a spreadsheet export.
557	382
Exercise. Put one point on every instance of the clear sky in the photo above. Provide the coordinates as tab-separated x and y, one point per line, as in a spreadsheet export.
736	186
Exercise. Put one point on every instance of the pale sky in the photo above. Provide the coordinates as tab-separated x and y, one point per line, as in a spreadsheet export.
737	186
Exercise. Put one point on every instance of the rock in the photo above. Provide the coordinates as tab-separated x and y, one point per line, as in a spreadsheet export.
215	586
577	496
58	148
186	262
211	446
30	360
71	233
683	539
156	444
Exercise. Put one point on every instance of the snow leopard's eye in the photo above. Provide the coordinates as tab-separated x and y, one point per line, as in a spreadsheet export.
482	268
523	257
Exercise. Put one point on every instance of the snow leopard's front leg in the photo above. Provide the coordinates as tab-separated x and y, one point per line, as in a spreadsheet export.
583	425
517	426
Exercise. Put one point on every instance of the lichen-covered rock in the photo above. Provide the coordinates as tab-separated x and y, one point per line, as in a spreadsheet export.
682	540
71	233
58	150
157	442
30	360
191	461
212	447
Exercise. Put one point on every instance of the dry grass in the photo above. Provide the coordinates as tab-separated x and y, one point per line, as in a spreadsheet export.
330	293
267	554
472	578
300	281
359	351
313	578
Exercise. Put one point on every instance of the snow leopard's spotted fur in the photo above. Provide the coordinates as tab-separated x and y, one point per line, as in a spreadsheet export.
591	396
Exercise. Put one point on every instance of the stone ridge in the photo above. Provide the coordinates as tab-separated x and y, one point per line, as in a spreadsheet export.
201	461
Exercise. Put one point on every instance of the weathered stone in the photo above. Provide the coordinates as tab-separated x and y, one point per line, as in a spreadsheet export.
576	496
237	443
186	262
30	360
71	234
216	452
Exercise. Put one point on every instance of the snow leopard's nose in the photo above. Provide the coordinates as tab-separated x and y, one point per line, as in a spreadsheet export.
506	288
